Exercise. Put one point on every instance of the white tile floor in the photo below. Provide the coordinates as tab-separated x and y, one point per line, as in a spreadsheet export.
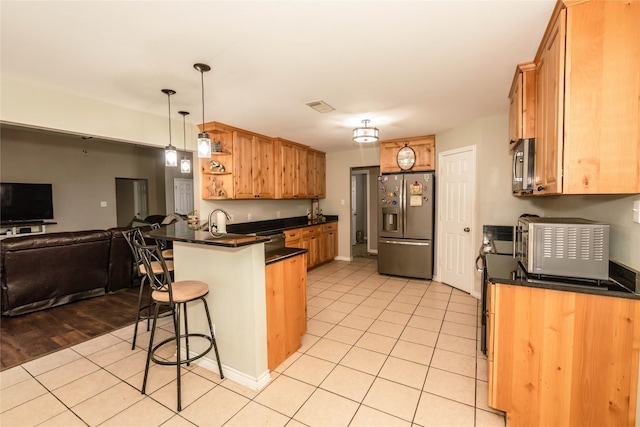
379	351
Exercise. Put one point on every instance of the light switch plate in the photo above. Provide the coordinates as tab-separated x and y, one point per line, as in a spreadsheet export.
103	204
636	211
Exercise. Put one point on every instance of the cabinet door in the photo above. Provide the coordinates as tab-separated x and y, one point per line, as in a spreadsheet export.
242	165
286	170
522	103
286	308
316	165
424	148
550	98
262	167
301	189
602	92
321	175
515	107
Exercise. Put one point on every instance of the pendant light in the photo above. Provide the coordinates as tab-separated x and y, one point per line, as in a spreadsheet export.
185	163
204	141
365	133
170	153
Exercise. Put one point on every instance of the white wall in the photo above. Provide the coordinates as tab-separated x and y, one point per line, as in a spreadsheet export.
42	108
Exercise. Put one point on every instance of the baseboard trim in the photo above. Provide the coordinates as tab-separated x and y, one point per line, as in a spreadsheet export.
232	374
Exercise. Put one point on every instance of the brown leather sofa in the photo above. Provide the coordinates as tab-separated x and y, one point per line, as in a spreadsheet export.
46	270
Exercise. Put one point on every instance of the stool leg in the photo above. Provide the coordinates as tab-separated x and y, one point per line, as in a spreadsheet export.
135	326
186	332
153	332
213	337
176	325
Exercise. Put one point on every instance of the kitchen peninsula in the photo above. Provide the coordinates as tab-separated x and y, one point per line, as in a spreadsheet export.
233	265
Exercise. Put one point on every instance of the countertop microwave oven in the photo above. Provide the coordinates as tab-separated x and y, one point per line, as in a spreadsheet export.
567	247
523	171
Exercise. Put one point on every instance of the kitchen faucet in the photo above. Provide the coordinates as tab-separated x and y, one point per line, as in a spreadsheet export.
210	222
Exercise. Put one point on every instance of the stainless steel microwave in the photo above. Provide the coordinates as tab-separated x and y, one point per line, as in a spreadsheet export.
567	247
523	171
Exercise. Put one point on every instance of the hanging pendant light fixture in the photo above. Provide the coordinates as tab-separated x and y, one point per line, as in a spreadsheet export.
365	133
170	153
185	163
204	141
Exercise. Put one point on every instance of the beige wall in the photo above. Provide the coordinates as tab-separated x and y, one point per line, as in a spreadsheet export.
338	200
80	180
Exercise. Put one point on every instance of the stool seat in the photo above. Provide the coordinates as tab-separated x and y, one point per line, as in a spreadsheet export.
167	253
182	291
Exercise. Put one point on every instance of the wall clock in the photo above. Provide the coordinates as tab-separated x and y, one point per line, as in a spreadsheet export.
406	158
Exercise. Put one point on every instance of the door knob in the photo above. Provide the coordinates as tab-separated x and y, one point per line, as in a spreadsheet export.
467	229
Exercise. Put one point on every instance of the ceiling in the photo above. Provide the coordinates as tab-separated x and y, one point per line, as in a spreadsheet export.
411	67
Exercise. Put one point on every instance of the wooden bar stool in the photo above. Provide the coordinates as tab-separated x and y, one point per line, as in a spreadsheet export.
175	296
131	236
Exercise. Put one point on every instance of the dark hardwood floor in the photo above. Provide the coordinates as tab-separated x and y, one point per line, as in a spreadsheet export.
26	337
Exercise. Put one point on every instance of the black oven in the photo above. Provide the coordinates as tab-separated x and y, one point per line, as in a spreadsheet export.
496	239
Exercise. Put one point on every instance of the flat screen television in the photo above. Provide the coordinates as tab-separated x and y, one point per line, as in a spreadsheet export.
24	202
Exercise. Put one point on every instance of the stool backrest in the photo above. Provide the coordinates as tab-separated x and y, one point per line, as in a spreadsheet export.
131	236
151	256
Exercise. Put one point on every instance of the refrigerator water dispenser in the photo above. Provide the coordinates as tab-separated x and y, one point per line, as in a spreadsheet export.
390	219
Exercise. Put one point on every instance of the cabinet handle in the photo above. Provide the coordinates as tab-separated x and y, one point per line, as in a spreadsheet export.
540	188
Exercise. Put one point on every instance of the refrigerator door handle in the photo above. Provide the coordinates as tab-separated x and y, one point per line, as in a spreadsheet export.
403	203
399	242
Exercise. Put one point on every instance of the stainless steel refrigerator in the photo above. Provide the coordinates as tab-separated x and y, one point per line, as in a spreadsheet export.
406	210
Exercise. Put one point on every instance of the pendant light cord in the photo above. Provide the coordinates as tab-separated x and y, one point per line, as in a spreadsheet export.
184	130
202	86
169	99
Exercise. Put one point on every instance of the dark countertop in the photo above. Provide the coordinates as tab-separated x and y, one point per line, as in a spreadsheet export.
281	254
505	269
279	225
182	232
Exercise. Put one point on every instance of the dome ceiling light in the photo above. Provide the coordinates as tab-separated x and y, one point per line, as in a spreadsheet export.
365	134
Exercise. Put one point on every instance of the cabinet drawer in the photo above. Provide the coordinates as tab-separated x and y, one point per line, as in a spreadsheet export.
310	231
333	226
293	234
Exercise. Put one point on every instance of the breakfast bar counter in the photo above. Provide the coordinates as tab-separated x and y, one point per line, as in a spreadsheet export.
233	266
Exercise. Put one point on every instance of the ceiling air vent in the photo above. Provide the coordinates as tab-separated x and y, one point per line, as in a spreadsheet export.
320	106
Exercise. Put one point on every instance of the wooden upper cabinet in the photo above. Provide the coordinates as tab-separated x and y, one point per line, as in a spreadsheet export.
291	170
257	166
253	166
522	103
602	98
217	171
423	146
588	114
316	174
549	111
263	164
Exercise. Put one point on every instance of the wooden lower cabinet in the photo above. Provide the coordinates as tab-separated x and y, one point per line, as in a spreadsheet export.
560	358
286	288
321	242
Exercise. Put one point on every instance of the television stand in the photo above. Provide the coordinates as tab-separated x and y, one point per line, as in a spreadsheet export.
24	228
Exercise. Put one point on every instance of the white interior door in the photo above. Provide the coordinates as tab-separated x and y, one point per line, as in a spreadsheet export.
140	204
354	202
183	195
456	190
